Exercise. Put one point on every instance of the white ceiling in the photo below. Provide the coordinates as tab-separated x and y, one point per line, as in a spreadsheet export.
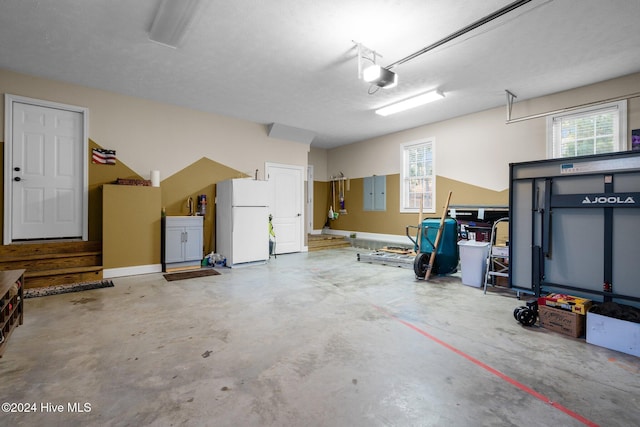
294	63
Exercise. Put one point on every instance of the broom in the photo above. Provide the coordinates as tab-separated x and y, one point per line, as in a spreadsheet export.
419	235
432	259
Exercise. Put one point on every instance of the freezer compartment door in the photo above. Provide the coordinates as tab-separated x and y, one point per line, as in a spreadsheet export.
250	192
250	234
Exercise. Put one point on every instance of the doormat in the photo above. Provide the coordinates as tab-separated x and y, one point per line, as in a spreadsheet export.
63	289
170	277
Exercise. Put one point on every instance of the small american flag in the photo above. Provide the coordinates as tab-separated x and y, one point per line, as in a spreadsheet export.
104	157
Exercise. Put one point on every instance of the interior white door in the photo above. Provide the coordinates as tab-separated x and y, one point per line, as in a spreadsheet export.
46	172
286	192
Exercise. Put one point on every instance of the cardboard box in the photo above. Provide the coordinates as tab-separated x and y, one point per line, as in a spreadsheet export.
563	321
502	281
500	251
566	302
612	333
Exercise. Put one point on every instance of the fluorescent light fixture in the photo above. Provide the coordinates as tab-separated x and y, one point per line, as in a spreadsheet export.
173	20
380	76
412	102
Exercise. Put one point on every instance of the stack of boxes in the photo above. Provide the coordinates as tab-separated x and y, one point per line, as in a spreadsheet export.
576	317
563	313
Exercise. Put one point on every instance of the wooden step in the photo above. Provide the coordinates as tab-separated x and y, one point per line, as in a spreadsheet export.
41	248
318	242
320	237
62	276
54	263
51	261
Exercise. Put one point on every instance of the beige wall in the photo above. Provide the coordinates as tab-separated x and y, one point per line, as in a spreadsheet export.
198	178
478	148
318	158
149	135
472	153
392	221
191	149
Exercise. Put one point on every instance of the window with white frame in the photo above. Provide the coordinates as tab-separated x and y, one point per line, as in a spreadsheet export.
595	130
417	177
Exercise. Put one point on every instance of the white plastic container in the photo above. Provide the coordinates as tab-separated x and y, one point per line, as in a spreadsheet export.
473	261
616	334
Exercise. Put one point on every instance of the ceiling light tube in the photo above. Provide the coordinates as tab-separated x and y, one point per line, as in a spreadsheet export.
409	103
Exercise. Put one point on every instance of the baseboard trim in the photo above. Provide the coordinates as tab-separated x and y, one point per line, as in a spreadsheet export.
131	271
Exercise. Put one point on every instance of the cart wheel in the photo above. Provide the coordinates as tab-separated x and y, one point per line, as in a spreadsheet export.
521	313
421	264
530	319
516	311
527	317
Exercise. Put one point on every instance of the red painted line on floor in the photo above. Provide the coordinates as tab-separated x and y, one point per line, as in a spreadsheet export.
494	371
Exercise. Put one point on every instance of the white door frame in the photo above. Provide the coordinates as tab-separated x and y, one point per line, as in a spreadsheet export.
9	100
310	180
268	165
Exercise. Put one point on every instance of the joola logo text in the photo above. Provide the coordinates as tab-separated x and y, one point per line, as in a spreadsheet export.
608	200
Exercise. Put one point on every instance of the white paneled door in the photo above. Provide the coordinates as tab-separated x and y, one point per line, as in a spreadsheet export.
286	204
46	173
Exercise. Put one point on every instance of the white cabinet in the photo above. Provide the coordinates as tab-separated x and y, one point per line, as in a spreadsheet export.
182	242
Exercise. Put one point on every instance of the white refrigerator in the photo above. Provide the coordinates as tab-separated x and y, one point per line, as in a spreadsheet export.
242	221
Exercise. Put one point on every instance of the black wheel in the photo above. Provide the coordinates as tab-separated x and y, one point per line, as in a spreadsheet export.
516	311
530	319
527	317
421	264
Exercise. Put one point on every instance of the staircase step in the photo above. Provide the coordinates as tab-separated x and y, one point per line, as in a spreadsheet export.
51	261
62	276
336	246
319	237
318	242
37	248
54	263
329	243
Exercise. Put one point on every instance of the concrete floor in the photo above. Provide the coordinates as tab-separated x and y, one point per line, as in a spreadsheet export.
310	339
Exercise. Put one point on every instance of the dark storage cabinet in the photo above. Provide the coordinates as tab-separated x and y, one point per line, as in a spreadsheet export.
11	303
